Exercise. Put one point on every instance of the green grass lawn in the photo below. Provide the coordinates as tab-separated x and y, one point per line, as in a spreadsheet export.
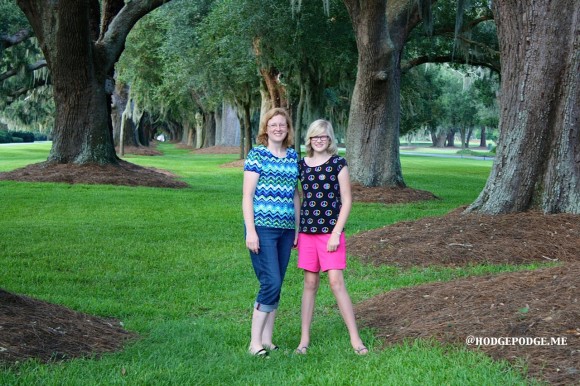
172	265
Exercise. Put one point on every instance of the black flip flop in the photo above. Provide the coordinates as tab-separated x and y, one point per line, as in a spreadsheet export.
262	353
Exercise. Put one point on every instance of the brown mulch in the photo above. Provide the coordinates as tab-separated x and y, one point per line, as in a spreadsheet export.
539	304
31	328
532	304
125	173
458	239
483	306
141	150
389	195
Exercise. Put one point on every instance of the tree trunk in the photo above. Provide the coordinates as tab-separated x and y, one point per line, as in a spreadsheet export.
372	140
247	129
209	129
298	123
463	137
276	91
175	131
537	163
186	128
144	129
450	138
271	77
198	130
81	129
468	137
80	57
190	136
130	137
483	140
438	137
229	127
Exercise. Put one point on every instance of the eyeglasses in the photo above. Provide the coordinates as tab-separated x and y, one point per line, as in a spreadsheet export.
320	138
279	125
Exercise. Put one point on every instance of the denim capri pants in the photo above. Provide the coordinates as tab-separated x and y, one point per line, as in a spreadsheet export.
270	265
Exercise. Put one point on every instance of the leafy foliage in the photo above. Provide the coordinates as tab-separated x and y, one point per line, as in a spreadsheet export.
440	98
25	94
462	32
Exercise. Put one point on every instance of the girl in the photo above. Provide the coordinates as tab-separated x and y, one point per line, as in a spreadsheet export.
325	208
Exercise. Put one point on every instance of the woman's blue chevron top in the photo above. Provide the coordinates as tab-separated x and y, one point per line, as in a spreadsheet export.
274	196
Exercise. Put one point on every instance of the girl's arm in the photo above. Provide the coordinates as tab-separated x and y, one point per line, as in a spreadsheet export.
296	214
346	199
249	189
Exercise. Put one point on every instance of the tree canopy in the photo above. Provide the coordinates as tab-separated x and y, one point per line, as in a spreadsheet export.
352	62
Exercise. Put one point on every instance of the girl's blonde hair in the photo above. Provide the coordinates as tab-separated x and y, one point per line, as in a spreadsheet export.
321	127
262	137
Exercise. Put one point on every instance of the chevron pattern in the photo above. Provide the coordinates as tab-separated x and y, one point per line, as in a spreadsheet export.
274	196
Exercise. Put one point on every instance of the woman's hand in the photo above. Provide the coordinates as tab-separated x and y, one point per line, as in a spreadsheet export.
253	242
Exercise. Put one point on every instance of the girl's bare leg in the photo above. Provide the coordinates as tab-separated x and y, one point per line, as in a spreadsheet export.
336	279
311	283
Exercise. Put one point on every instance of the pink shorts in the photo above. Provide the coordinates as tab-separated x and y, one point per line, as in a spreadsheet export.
313	255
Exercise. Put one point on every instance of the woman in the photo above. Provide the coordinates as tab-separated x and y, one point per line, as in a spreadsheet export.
325	208
270	205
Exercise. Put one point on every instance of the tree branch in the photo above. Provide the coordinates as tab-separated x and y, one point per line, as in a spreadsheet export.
29	68
406	66
12	40
112	43
23	90
468	27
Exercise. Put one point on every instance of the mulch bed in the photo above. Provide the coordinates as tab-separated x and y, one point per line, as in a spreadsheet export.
543	303
459	239
124	173
31	328
534	304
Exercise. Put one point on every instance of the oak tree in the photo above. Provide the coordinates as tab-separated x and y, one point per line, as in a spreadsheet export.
81	41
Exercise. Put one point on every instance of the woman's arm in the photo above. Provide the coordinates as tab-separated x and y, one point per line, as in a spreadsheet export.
248	191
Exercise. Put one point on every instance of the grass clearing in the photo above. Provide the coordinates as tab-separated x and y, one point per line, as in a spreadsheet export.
171	264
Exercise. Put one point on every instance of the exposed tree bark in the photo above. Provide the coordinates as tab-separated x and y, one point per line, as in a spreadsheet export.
80	57
372	142
537	163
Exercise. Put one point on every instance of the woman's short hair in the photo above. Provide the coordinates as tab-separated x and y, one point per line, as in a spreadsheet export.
262	137
321	127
